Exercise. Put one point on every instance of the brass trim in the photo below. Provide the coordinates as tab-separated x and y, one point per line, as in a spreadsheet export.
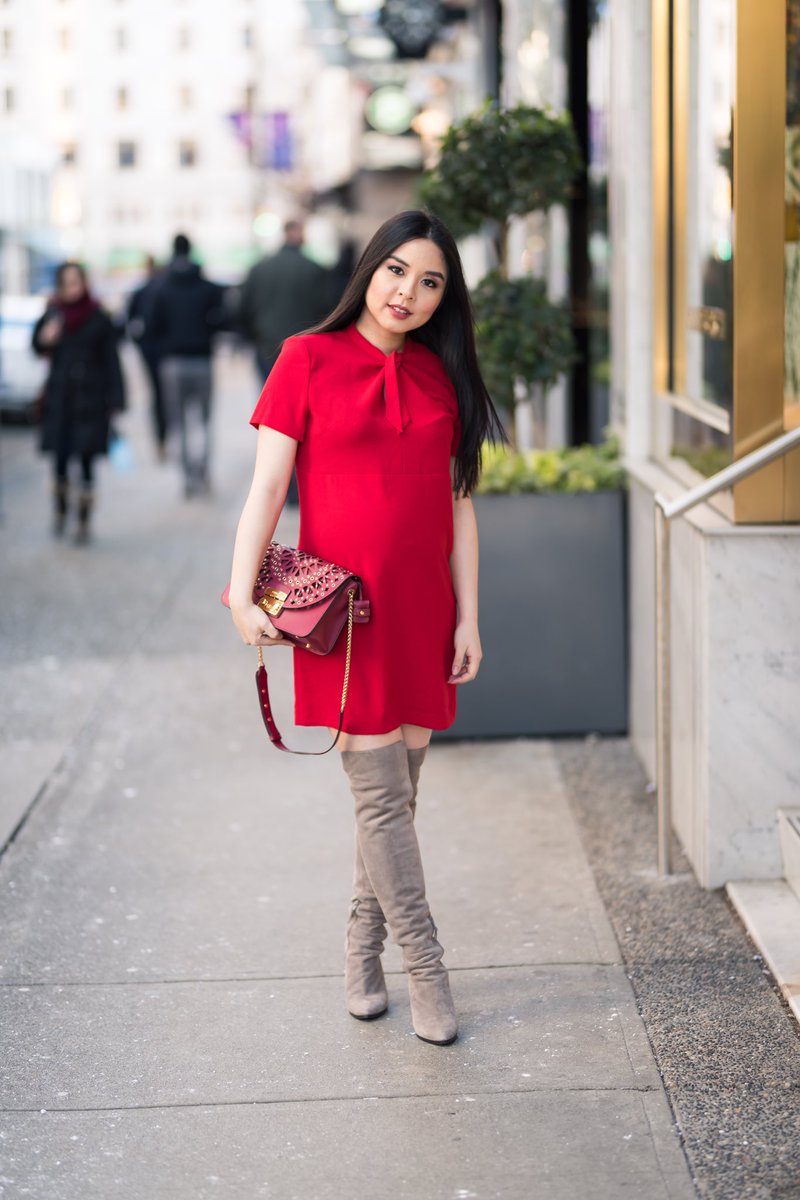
660	185
759	119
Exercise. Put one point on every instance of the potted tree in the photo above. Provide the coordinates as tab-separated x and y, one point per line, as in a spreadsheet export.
551	522
495	165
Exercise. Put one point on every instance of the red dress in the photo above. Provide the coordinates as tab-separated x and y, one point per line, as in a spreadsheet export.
375	433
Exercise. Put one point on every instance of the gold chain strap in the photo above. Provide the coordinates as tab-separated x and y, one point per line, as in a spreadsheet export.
351	595
350	601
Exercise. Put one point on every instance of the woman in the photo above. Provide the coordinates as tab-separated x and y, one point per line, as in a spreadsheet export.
83	389
383	408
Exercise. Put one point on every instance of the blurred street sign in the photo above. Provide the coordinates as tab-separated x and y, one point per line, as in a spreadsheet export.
267	136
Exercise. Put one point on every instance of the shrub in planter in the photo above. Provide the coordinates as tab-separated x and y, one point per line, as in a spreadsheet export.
494	165
572	469
521	335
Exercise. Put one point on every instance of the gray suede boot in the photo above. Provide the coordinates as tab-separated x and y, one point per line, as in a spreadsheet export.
381	785
365	987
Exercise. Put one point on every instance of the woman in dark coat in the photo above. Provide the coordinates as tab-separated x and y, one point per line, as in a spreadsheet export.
84	388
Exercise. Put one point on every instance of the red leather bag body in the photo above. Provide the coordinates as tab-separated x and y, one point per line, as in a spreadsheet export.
308	600
305	597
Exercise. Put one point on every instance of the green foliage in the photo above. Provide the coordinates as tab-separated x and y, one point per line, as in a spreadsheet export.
498	163
706	460
520	335
572	469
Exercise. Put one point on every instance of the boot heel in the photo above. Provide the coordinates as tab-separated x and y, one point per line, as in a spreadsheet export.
433	1013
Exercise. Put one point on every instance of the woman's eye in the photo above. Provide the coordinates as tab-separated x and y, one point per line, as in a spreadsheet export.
431	283
394	267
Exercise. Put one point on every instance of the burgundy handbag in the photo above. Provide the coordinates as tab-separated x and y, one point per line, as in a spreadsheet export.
309	601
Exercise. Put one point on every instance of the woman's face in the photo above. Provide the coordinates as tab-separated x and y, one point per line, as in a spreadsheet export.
407	287
71	286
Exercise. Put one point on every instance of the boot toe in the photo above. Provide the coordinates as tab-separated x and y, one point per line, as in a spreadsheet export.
367	1008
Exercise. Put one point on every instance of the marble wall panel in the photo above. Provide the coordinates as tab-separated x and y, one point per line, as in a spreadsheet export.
735	682
753	699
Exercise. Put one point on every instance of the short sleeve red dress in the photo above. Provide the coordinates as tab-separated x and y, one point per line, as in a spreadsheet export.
375	433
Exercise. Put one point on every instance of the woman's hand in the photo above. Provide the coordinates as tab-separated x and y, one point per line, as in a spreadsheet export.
468	653
51	330
255	628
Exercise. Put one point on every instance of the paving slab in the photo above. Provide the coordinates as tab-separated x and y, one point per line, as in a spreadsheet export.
558	1146
218	831
521	1028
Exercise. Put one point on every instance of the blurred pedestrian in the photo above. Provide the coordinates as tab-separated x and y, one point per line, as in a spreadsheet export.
139	327
84	389
187	311
383	408
282	294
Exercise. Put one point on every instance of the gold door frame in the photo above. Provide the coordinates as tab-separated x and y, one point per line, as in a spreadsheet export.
773	493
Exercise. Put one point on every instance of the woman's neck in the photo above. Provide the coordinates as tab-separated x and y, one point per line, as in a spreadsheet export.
384	339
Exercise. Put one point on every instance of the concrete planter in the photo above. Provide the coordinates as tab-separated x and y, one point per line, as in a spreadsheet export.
553	618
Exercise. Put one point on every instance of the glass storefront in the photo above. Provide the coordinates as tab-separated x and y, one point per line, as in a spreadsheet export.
726	138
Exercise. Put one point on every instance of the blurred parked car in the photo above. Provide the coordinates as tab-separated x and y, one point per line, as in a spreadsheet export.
22	373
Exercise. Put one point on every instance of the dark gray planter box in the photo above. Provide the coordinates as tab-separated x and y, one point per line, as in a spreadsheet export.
553	618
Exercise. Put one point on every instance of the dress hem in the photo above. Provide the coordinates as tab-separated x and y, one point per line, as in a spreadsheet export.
436	726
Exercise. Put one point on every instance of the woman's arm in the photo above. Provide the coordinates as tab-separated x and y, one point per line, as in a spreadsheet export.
274	462
47	333
464	570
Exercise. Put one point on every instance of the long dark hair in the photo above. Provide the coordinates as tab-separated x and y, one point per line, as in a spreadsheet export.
450	332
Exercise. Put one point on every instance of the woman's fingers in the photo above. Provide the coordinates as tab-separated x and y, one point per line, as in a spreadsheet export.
253	630
466	663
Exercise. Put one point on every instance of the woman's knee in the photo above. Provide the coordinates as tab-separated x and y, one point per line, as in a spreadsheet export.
414	736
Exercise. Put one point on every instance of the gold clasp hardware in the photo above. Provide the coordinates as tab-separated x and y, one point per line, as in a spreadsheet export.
272	601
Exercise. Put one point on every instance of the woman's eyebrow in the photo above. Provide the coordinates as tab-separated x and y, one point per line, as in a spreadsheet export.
438	274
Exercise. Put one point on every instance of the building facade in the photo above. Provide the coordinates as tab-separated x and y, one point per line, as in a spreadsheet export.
164	115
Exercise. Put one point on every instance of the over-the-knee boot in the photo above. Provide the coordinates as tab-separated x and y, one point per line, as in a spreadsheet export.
381	785
365	986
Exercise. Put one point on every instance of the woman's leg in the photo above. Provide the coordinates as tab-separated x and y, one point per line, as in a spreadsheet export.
380	780
86	497
60	491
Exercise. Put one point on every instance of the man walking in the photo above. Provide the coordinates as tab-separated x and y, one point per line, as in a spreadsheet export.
187	311
139	325
282	295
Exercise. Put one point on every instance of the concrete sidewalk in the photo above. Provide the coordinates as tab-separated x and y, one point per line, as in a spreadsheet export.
172	913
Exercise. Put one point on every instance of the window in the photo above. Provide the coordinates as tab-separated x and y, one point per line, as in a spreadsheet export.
185	98
9	100
69	154
184	37
64	39
126	154
248	40
122	98
121	38
722	284
250	97
7	41
67	98
187	153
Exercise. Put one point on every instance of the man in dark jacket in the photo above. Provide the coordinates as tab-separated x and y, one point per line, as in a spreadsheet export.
139	325
187	311
282	295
